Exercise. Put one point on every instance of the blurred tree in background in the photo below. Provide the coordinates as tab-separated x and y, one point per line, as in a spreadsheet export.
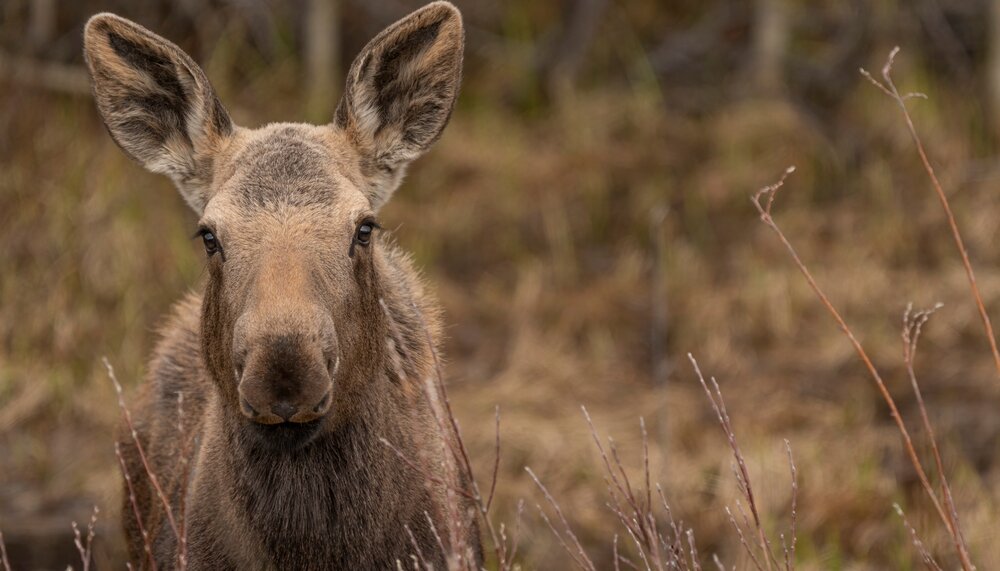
699	53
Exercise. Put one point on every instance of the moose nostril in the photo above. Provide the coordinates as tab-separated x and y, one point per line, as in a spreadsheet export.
322	403
249	410
283	409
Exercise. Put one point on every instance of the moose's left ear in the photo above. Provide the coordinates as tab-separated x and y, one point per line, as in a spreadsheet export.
400	93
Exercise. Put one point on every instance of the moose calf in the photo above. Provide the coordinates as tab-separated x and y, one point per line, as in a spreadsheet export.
313	337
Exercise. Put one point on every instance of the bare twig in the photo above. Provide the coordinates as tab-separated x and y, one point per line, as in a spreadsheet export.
743	475
577	552
451	481
456	457
3	554
416	548
135	507
496	462
188	447
84	547
695	564
434	532
743	539
765	217
913	323
463	456
424	473
790	557
139	448
889	88
517	531
925	556
645	464
641	523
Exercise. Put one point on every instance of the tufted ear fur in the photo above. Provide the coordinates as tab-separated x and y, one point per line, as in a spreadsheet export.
400	92
156	102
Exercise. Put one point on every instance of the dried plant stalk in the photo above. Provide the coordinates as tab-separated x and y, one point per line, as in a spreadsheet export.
768	194
458	468
889	88
3	554
85	546
177	525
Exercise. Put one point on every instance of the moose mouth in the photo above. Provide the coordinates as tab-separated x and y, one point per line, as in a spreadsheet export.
285	436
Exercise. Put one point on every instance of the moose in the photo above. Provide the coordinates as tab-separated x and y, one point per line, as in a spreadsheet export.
313	339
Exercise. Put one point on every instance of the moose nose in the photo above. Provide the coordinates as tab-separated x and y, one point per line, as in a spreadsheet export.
284	409
284	379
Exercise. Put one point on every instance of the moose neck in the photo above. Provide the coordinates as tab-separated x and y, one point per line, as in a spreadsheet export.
333	497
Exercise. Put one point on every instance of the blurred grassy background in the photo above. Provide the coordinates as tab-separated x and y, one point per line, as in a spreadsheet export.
585	223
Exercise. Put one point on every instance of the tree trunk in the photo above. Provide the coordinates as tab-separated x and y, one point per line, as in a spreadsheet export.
322	58
770	43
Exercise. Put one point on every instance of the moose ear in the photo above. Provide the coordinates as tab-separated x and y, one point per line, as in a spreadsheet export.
400	93
156	103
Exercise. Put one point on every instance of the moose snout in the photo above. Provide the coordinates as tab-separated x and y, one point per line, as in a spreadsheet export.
286	379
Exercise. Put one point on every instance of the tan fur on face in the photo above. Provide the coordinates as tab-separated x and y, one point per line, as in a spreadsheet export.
306	348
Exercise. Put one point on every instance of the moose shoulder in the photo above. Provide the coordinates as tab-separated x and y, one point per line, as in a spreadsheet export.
313	336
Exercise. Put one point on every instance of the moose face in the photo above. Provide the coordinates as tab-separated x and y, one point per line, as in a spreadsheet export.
287	211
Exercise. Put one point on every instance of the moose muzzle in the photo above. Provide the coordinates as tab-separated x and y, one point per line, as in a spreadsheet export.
287	377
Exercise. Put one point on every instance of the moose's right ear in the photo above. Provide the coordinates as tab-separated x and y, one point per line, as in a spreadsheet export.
156	102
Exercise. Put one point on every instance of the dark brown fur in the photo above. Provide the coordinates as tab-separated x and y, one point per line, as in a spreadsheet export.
285	201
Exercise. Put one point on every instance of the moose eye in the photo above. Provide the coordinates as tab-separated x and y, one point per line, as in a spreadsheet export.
211	242
363	236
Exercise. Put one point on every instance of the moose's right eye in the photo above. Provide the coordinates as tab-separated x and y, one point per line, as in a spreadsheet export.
211	242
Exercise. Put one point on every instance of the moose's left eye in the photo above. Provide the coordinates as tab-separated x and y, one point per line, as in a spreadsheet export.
363	236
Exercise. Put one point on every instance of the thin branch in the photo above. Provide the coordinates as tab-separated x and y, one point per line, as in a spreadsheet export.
517	531
84	548
645	462
463	454
889	88
434	532
139	448
743	474
913	323
925	556
416	548
496	462
765	217
3	554
583	561
455	455
790	557
695	564
424	473
743	539
135	508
